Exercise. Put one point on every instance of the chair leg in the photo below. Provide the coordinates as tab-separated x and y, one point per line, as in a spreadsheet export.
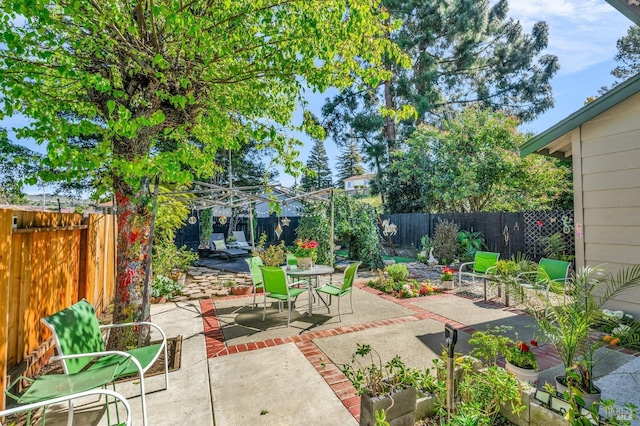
253	305
70	417
351	299
339	313
264	303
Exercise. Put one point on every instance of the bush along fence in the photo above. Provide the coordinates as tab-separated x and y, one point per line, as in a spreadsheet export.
48	261
504	233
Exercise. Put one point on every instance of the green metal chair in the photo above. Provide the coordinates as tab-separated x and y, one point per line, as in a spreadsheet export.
276	287
549	275
483	266
52	389
256	275
340	290
80	347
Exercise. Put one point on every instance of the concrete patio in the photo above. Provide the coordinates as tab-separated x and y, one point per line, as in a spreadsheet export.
238	370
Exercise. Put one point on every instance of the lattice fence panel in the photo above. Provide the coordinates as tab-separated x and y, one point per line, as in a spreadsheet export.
543	224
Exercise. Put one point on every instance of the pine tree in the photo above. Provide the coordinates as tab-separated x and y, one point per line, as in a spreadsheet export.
349	163
464	52
628	59
319	174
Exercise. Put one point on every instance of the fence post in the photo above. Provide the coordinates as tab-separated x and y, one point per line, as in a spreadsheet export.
5	263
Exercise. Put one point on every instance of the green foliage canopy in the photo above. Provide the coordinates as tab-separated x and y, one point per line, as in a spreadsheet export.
472	164
136	72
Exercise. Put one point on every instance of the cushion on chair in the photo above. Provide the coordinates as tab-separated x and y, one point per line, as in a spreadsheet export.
219	245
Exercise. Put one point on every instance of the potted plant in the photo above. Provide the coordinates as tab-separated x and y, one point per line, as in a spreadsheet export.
206	228
306	252
519	358
567	325
446	277
389	389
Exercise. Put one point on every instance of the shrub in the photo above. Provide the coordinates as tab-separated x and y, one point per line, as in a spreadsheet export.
165	286
445	241
166	256
397	272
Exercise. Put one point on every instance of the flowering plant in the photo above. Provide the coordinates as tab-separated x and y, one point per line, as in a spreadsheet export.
520	354
447	274
490	344
307	248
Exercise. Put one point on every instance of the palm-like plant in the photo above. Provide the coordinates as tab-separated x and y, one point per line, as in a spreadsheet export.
566	326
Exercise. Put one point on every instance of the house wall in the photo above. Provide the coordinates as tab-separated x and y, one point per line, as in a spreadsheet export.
606	155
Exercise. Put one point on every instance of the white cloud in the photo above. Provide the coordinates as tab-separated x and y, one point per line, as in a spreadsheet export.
581	33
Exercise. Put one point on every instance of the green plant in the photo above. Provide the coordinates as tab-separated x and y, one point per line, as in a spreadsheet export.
445	240
206	227
307	248
274	255
166	257
447	274
165	286
397	272
469	243
567	325
555	247
378	379
483	393
493	342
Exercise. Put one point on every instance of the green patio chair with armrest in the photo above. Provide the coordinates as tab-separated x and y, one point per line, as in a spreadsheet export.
340	289
274	279
256	275
548	276
52	389
80	347
483	266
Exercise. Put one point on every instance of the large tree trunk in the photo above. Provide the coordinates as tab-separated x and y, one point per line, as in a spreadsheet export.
134	229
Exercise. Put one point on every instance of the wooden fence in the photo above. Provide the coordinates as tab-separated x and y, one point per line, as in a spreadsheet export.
48	261
505	233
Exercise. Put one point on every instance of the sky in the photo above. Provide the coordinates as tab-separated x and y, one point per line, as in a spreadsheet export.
582	33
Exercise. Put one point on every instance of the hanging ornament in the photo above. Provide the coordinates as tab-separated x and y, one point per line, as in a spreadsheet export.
193	219
222	220
285	221
278	231
539	223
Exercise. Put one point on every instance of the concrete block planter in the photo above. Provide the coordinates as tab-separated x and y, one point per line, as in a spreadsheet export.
426	406
402	413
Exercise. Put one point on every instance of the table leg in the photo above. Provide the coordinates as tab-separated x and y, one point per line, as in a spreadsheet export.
310	281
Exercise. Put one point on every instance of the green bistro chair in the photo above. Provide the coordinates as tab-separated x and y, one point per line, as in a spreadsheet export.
483	266
80	347
276	287
551	275
342	289
256	275
51	389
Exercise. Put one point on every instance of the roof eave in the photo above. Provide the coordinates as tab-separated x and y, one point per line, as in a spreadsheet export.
584	114
631	11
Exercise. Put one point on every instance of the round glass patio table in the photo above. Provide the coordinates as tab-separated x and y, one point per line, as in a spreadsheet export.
311	276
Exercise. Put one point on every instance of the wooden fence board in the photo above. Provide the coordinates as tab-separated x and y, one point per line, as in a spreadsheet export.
5	274
48	263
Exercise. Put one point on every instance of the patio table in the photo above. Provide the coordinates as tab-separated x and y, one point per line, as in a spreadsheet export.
308	274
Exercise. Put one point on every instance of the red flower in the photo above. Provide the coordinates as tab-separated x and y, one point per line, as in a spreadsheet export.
534	343
523	347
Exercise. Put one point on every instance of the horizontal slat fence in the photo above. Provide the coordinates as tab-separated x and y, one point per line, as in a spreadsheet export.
48	261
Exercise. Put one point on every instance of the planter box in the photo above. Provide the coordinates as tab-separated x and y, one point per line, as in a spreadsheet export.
402	413
426	407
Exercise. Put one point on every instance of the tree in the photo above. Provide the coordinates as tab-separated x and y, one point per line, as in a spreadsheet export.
15	165
472	164
165	84
464	52
318	175
349	163
628	58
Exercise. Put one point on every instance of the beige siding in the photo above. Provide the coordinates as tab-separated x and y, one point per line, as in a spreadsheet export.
610	192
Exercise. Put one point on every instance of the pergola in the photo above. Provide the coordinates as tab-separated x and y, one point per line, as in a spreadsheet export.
207	195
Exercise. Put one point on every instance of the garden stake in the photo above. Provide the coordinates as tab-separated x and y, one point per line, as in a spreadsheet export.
451	337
